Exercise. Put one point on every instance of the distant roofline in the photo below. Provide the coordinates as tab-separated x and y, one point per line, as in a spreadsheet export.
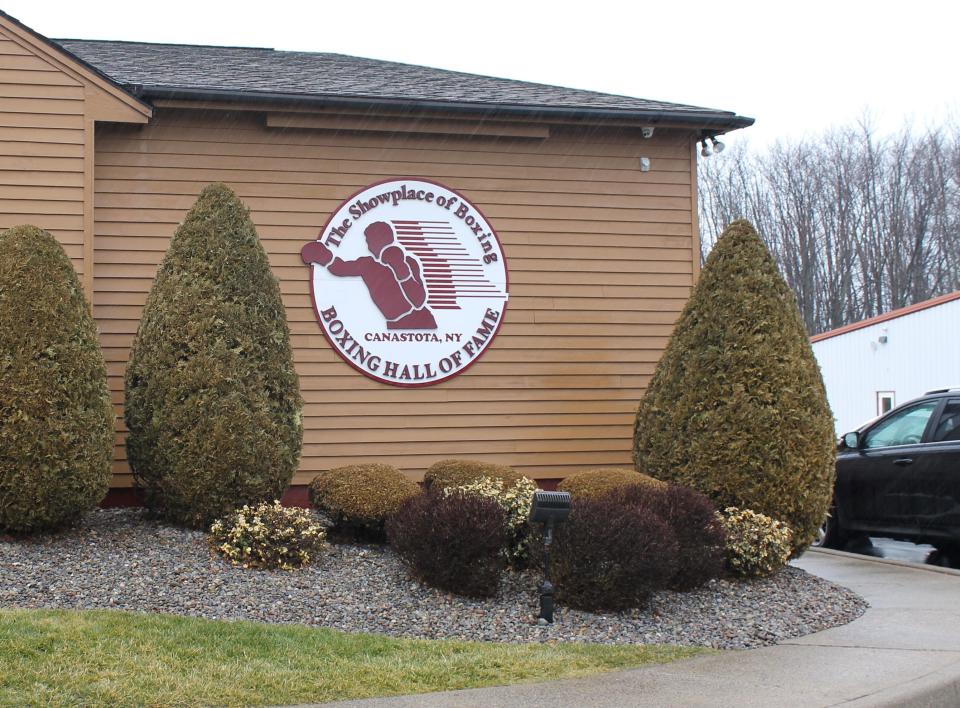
167	44
892	315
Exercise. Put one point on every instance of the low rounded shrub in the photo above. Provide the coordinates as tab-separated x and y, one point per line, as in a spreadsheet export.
360	498
268	536
693	519
56	418
451	541
612	556
456	473
595	483
515	500
756	544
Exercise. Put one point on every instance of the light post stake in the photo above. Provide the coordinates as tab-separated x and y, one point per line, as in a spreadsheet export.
549	508
546	587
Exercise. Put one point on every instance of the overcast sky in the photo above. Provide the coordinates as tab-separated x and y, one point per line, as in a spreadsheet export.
798	68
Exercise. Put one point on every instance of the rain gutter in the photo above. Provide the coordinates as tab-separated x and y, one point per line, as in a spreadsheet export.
712	121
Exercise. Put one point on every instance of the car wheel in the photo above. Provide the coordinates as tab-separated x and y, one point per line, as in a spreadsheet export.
830	535
946	555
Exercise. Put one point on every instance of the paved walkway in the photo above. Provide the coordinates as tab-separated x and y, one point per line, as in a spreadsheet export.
904	651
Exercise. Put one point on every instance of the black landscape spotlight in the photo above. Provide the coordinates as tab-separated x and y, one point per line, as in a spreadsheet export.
549	508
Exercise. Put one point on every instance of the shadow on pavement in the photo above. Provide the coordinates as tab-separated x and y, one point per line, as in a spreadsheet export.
899	550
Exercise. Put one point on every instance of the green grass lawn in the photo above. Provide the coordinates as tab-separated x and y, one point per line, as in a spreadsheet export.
55	658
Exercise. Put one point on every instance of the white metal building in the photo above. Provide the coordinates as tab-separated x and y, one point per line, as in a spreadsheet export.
876	364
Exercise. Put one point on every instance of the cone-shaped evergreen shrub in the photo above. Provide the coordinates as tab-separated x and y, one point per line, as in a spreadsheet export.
736	408
212	399
56	419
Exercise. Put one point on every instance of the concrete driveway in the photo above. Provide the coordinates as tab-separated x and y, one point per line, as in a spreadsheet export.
904	651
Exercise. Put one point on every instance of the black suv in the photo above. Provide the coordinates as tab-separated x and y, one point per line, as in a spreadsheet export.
899	477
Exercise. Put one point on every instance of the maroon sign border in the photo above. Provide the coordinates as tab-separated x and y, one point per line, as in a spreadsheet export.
503	312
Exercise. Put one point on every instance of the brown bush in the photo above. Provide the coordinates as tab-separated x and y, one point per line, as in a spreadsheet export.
693	518
595	483
612	556
456	473
451	541
360	498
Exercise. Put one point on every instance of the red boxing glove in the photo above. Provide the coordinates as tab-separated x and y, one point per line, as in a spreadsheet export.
316	252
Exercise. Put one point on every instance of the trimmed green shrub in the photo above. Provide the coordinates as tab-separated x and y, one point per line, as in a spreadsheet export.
56	418
212	399
453	542
596	483
515	500
268	536
455	473
756	544
609	555
360	498
736	408
692	517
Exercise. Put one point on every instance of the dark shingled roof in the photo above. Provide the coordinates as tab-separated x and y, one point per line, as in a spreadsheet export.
186	71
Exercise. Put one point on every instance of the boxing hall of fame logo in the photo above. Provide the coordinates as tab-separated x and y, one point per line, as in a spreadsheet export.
408	281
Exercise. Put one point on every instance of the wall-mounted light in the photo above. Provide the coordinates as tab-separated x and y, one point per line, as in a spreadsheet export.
714	147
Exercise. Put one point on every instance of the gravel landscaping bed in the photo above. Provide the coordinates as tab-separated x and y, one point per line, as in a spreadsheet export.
119	559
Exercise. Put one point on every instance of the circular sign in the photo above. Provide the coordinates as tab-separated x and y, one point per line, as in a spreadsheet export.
409	282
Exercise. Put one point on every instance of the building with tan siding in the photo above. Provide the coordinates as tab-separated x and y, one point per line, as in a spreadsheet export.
107	145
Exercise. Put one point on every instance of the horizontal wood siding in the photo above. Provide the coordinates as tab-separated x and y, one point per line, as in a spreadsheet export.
41	147
599	254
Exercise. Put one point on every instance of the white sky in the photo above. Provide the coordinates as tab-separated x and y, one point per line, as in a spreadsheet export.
797	67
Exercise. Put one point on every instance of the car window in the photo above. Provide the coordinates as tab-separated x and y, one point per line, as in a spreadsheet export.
948	427
902	428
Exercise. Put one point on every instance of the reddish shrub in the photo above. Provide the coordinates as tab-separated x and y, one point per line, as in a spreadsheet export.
611	555
693	519
453	542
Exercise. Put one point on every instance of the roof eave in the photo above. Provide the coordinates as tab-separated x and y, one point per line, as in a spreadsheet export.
715	121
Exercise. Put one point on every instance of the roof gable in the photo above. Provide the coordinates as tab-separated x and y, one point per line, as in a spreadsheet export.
107	100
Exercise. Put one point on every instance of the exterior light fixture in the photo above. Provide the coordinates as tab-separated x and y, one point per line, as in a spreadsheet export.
549	509
715	146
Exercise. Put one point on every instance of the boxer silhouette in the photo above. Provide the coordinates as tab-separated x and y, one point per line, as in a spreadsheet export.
392	277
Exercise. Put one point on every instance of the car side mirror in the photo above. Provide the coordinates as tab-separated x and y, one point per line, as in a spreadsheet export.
851	441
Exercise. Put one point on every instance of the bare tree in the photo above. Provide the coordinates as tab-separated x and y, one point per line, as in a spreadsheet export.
858	224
